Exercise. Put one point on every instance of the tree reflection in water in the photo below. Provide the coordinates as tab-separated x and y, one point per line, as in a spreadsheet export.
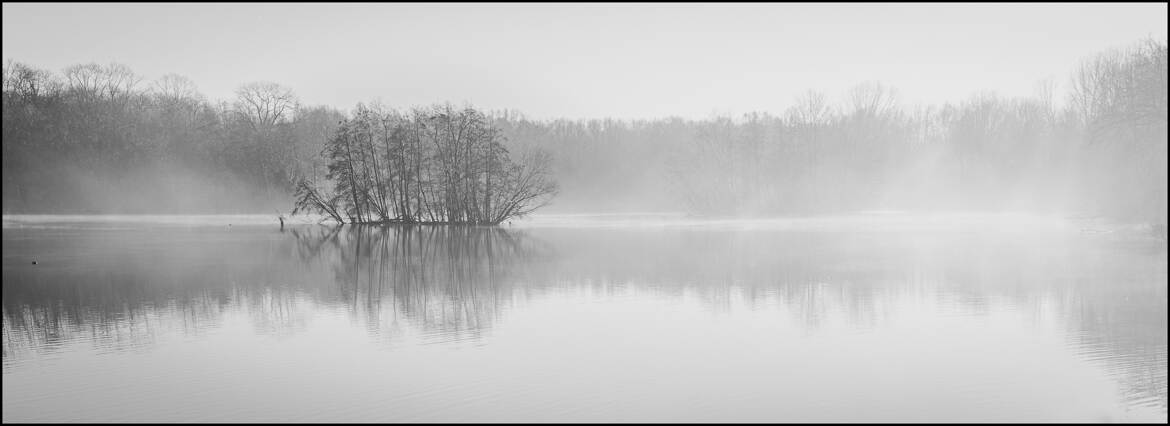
451	283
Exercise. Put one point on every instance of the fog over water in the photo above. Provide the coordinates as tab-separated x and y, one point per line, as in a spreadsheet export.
584	213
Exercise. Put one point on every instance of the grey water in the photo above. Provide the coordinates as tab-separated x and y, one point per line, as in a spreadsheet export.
582	318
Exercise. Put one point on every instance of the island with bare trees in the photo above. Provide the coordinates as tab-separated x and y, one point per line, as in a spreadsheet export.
431	165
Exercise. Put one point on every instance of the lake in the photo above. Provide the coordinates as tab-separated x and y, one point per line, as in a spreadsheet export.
875	317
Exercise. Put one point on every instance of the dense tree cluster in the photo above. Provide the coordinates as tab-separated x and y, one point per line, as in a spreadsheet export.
438	164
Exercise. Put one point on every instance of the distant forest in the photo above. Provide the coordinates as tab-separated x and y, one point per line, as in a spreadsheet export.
100	139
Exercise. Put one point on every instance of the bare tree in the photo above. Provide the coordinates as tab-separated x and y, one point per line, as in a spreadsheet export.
872	99
176	87
810	108
265	104
102	82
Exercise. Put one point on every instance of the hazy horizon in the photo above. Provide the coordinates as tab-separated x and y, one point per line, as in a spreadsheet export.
587	61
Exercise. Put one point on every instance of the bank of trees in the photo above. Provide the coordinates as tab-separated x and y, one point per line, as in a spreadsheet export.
1097	147
97	138
436	165
1118	102
101	139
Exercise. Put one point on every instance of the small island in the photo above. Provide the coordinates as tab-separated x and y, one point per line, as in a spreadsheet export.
437	165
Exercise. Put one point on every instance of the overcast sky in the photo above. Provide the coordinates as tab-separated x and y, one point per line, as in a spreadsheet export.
585	60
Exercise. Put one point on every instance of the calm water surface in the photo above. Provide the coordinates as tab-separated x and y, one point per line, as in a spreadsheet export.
575	318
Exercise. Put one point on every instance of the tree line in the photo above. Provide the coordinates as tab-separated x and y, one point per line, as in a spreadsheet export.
101	139
1096	149
1100	152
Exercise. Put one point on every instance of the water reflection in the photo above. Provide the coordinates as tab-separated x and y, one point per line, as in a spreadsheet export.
454	281
132	290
